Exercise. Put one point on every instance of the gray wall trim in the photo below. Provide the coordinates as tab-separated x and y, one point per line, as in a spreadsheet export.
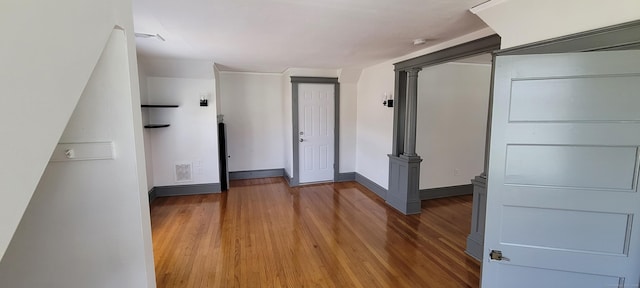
475	47
441	192
295	80
616	37
288	178
194	189
293	181
375	188
474	249
336	131
345	177
253	174
399	112
321	80
152	195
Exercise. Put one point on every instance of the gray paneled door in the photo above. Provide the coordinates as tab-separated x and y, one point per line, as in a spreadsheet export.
316	131
563	172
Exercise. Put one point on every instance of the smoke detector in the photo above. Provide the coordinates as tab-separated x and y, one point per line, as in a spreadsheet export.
419	41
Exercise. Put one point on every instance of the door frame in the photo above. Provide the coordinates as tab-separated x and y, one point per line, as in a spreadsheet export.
295	81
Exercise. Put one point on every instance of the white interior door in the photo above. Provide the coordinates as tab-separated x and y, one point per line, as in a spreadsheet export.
316	132
563	172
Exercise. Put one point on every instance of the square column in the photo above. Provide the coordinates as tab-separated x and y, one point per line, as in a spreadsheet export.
404	184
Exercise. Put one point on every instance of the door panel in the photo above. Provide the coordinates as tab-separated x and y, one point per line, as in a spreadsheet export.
316	135
563	171
523	277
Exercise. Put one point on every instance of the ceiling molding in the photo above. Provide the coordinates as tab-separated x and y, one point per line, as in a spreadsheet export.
486	5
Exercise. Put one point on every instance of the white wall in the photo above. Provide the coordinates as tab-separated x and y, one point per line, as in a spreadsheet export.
146	136
216	77
253	111
87	224
374	123
453	102
193	134
525	21
348	116
41	85
374	130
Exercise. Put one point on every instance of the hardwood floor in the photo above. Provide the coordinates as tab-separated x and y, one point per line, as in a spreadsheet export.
262	233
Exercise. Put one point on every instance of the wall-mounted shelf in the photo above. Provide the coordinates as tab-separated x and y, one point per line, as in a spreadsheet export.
156	125
157	106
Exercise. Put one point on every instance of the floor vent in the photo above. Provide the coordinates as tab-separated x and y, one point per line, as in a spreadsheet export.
183	172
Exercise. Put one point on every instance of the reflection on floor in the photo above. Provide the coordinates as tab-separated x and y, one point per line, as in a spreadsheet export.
262	233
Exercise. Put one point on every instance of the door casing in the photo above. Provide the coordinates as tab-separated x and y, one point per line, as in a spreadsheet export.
294	180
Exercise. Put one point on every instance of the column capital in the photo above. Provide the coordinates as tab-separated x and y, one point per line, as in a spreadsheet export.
413	72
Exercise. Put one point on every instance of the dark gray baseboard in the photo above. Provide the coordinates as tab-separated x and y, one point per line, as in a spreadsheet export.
253	174
287	178
152	194
364	181
441	192
345	177
194	189
474	248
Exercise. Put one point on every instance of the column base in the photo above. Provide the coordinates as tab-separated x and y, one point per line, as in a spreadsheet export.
404	181
475	240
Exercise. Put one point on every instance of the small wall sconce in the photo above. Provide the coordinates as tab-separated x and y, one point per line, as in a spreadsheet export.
388	100
204	101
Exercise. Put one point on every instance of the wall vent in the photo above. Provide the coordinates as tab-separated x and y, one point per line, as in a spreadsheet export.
184	172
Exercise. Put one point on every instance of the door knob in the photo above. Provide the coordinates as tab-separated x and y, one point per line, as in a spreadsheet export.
301	140
497	256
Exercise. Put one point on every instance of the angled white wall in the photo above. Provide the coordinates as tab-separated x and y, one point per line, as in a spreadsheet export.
525	21
87	224
41	80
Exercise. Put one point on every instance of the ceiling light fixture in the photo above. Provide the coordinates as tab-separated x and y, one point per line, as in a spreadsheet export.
145	35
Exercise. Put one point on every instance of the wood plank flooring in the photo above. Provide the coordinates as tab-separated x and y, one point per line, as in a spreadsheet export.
262	233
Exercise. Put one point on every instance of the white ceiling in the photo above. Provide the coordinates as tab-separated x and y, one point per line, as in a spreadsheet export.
273	35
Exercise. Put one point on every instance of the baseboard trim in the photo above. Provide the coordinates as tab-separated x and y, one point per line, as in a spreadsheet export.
474	249
254	174
345	177
373	186
180	190
442	192
152	194
287	178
